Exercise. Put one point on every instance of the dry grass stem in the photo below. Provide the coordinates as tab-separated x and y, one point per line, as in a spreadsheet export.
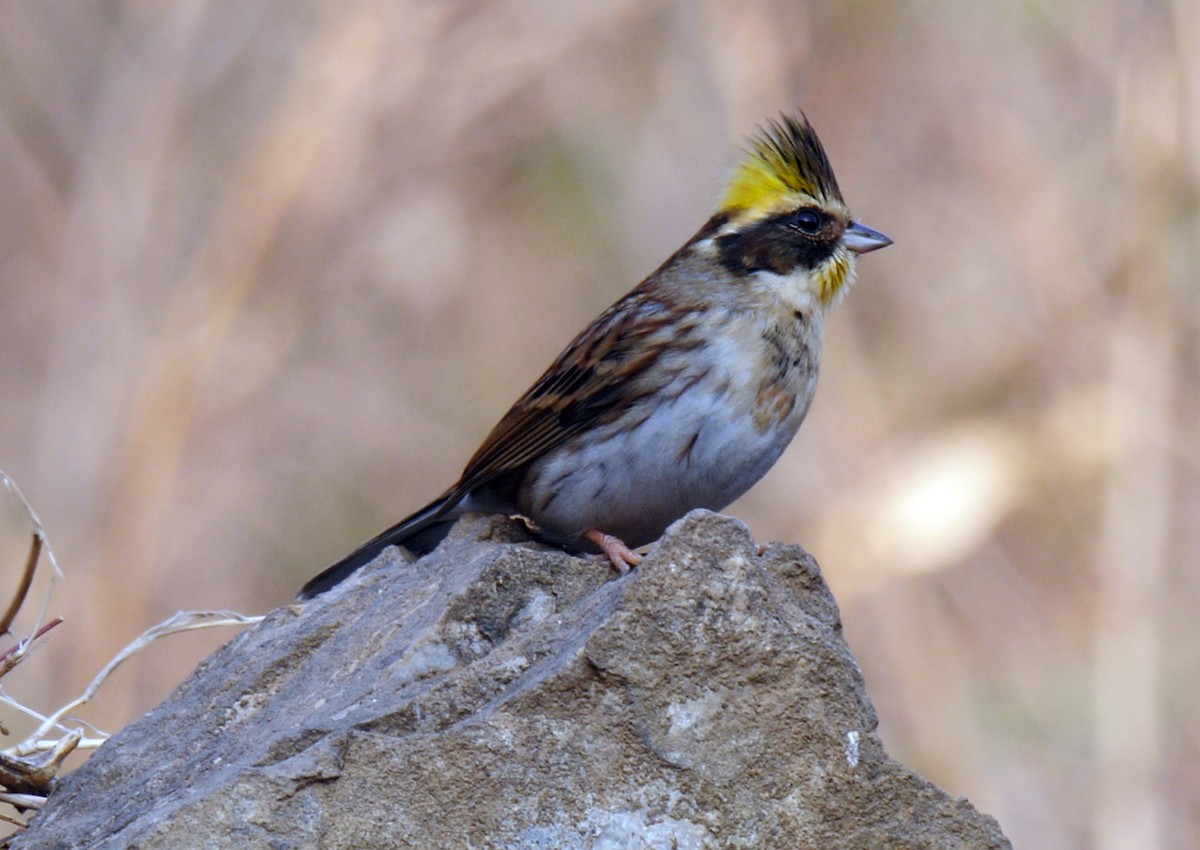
28	769
35	552
182	621
39	531
23	801
35	775
18	652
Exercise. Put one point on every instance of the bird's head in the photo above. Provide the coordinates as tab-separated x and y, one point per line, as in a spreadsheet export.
783	214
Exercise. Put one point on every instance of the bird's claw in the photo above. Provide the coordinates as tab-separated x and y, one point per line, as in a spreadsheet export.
618	554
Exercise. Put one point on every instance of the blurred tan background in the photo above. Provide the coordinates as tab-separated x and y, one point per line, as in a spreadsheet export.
271	270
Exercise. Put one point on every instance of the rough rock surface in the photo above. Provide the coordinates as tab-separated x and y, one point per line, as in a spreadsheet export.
501	694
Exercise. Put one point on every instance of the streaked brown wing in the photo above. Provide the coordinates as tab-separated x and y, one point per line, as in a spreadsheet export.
593	379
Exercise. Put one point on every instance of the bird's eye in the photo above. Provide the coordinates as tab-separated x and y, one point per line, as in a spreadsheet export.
809	221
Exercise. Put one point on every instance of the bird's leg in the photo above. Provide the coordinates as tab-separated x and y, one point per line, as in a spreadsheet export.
620	555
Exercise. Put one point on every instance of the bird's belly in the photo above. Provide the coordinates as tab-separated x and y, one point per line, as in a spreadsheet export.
700	449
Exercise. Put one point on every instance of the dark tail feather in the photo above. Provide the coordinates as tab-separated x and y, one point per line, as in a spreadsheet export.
420	528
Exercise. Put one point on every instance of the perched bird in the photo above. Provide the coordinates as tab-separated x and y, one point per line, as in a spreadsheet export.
683	393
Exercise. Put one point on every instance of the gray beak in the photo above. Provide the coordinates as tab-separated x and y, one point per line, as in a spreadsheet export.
860	239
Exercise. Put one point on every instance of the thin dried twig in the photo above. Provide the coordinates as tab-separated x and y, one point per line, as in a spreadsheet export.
40	546
35	552
28	770
30	745
182	621
23	801
16	653
35	775
39	530
17	647
13	821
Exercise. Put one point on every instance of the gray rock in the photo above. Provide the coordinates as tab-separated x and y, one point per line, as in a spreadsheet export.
501	694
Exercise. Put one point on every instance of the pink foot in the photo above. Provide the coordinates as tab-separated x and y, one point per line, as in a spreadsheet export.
620	555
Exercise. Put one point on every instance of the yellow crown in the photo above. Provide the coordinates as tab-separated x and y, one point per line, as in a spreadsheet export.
786	167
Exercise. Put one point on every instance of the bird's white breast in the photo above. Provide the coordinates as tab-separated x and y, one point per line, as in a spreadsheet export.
698	444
